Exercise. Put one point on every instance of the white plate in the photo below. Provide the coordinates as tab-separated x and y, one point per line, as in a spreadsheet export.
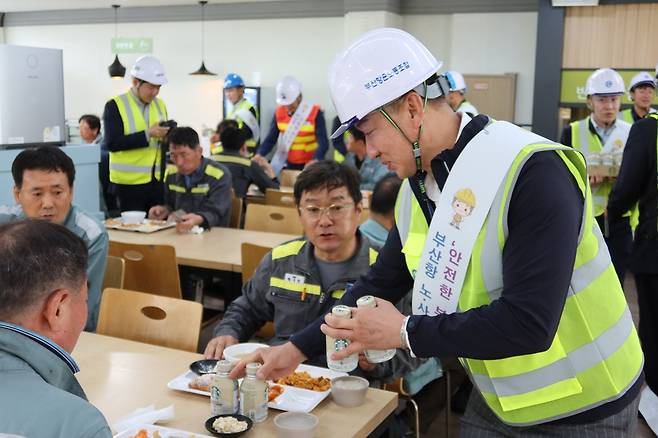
292	399
165	432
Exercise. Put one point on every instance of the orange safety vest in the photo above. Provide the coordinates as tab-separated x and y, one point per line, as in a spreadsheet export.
304	145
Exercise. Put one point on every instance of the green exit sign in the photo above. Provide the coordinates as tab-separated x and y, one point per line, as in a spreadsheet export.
132	45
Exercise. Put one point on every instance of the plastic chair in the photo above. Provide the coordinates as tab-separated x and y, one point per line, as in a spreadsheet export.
236	213
115	272
149	268
280	198
251	258
152	319
288	177
273	219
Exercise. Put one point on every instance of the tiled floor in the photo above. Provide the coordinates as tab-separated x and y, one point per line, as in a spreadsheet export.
437	430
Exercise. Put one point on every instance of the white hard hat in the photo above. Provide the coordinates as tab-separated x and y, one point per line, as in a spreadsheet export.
456	81
380	66
287	90
642	78
605	81
149	69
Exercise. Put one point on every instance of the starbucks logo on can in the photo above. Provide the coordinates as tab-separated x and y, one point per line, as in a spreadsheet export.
340	344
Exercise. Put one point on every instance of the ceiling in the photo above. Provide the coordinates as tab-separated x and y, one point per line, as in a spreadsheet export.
49	5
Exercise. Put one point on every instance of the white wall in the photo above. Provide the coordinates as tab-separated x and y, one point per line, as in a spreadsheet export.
471	43
273	48
484	44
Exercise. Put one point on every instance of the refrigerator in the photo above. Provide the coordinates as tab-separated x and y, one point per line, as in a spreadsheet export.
31	97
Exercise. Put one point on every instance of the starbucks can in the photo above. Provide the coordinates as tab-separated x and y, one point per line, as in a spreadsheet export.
335	345
374	356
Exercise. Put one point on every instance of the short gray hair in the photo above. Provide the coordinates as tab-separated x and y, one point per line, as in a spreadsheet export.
37	257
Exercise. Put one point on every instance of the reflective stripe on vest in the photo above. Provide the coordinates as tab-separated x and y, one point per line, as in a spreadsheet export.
305	143
595	355
136	166
232	159
293	248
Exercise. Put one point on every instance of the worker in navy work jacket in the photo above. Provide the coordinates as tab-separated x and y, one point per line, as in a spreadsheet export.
197	190
496	235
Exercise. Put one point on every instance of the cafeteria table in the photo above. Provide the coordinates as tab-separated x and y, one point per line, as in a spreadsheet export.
120	376
218	248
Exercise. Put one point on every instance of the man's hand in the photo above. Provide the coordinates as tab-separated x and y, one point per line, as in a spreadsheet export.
159	212
157	131
373	328
278	362
364	364
216	346
187	221
259	159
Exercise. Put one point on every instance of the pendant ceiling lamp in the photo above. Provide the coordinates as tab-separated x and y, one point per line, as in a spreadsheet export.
116	69
203	71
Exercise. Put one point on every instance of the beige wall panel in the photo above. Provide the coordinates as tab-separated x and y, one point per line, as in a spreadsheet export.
618	36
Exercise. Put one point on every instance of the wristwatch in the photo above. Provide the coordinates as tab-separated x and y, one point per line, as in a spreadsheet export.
404	337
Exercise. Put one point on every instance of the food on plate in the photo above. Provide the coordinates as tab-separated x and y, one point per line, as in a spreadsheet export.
113	222
157	222
274	392
143	433
304	380
229	425
202	382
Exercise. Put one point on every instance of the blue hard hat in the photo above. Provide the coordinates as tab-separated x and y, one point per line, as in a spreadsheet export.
232	80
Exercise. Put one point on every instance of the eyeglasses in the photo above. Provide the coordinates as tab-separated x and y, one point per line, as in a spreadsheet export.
334	211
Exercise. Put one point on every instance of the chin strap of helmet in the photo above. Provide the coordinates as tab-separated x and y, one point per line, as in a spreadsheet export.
415	148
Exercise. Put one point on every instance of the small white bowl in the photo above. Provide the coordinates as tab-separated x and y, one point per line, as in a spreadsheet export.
236	352
133	217
295	425
349	391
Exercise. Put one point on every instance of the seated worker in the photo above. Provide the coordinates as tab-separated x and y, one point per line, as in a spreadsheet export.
303	279
43	309
43	189
215	141
243	170
90	129
370	170
382	210
197	190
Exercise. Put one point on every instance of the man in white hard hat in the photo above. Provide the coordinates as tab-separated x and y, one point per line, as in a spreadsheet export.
524	291
602	133
641	92
456	98
242	111
133	136
298	129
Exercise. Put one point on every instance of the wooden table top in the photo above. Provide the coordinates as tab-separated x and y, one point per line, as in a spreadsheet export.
217	249
120	376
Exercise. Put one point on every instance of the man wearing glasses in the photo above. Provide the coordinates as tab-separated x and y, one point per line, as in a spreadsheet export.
301	280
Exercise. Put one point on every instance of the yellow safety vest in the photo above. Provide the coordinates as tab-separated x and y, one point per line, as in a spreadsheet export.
587	142
135	166
243	104
595	355
338	157
626	115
